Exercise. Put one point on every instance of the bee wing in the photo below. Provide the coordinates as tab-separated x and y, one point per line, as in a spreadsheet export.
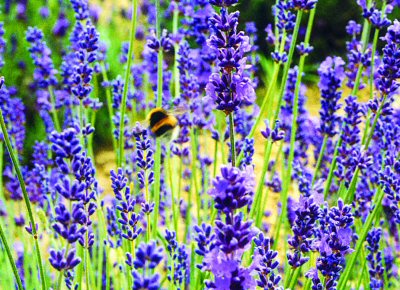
143	123
179	110
170	136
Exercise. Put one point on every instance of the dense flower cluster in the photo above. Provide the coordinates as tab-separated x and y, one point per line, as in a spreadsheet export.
331	74
41	55
230	87
334	238
375	259
168	211
233	235
148	256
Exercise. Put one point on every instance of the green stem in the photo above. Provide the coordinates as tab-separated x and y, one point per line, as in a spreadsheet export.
90	138
10	258
15	162
126	84
265	102
61	273
103	237
232	139
148	228
361	278
215	158
172	186
256	204
264	198
292	143
157	177
175	22
378	114
353	183
157	157
3	198
366	227
110	109
364	39
294	276
53	109
194	136
320	156
332	168
371	83
193	281
81	267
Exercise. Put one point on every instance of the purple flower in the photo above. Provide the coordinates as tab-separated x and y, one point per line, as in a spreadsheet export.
304	49
374	259
148	256
233	234
230	87
390	183
389	70
62	261
349	148
247	146
233	189
270	35
14	116
144	156
81	8
44	12
276	134
179	257
164	42
306	217
85	56
302	4
190	91
205	241
228	272
223	3
377	17
353	28
331	74
2	46
128	219
306	131
268	263
61	26
65	145
44	73
286	18
149	283
70	225
335	235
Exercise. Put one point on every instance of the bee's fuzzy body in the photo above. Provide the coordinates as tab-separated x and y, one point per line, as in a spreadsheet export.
161	122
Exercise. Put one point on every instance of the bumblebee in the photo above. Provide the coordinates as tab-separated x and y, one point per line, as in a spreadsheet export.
162	123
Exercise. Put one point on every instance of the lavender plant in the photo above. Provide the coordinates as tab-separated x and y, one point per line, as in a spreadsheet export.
308	201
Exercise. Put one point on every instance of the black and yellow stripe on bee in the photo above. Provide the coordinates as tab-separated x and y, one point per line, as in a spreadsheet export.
161	122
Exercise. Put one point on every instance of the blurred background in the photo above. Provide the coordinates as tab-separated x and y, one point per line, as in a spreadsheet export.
55	19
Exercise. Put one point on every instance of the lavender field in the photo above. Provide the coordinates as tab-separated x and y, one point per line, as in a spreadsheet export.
152	144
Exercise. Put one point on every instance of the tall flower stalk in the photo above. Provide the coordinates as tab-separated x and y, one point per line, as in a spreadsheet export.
2	233
159	101
28	205
301	6
121	156
229	87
